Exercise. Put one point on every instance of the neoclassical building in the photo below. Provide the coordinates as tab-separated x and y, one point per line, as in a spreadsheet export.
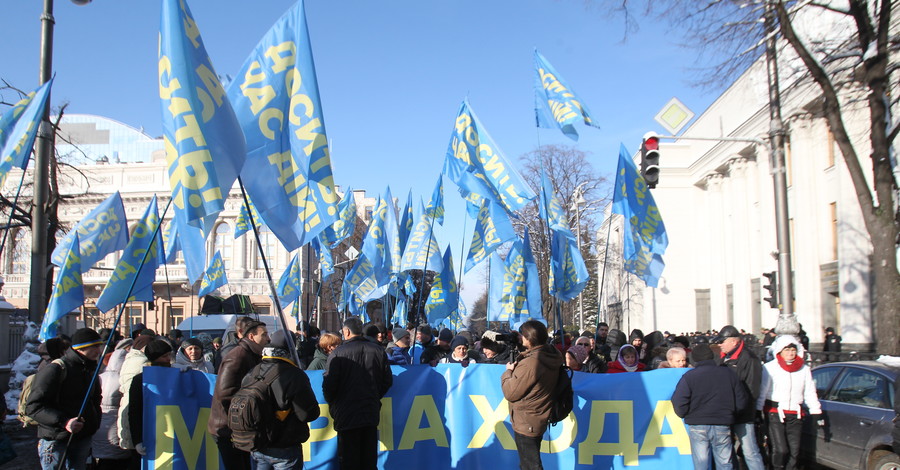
108	156
717	203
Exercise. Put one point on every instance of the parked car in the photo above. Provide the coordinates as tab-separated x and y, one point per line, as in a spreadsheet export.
858	403
219	325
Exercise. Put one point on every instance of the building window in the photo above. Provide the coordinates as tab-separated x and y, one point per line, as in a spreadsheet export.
20	253
223	243
174	316
267	243
134	314
834	230
829	152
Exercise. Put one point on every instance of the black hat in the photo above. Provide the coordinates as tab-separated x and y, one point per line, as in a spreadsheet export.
727	331
399	333
701	352
156	349
459	341
191	342
426	330
85	338
445	335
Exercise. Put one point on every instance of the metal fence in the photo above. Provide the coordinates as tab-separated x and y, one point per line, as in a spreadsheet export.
16	340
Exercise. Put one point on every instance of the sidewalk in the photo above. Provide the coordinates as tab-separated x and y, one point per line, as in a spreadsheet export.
25	442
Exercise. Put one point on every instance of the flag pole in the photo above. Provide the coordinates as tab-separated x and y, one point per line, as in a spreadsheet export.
294	355
603	273
115	328
425	268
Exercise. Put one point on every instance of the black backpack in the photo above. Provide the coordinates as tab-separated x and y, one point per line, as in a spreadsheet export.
563	396
251	415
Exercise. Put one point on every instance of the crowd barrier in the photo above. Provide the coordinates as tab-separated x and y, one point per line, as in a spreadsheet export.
446	417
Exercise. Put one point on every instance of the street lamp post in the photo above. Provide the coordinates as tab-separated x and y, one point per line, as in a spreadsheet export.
37	299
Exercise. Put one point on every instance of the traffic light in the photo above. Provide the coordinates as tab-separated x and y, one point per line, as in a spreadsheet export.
772	287
650	159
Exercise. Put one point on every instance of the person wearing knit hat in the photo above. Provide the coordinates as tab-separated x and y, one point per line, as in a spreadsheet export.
190	356
575	357
57	394
398	354
459	352
159	354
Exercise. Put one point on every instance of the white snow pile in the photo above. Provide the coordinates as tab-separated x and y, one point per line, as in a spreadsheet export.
889	360
24	365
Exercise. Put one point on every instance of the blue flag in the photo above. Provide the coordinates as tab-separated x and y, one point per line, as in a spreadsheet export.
188	239
9	118
129	266
276	97
444	297
103	231
345	224
214	277
422	249
568	274
326	261
20	141
492	229
555	102
477	165
532	280
496	310
550	209
68	291
242	225
521	286
381	246
407	220
435	206
290	284
645	233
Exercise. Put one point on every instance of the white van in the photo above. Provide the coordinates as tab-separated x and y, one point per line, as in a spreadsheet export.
219	325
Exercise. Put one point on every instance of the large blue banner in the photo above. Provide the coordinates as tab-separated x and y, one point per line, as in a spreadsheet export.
446	417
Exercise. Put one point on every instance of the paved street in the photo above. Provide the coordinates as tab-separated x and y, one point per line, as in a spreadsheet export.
24	440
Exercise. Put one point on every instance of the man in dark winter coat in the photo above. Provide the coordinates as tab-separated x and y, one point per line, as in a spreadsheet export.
295	405
832	345
232	338
708	397
594	364
56	396
356	377
738	356
235	366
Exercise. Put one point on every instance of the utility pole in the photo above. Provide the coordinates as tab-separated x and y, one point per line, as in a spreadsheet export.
787	322
37	298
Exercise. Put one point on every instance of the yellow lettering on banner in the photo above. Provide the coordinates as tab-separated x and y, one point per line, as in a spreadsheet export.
171	427
212	83
386	425
463	121
654	439
412	433
283	56
88	248
123	269
566	436
324	433
494	423
268	115
167	85
190	27
592	446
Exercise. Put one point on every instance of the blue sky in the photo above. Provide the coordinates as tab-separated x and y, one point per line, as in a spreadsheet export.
391	74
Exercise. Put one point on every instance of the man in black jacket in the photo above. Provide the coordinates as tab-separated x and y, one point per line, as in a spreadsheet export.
708	397
295	405
738	356
356	377
56	396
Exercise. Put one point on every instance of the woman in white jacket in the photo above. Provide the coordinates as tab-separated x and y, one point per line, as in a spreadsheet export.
786	385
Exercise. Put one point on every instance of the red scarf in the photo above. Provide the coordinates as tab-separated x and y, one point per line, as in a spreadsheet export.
735	353
792	367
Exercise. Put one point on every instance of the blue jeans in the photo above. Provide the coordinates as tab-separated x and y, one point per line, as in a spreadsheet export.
746	434
274	458
709	439
51	453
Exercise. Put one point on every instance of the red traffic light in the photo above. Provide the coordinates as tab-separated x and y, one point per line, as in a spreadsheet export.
651	143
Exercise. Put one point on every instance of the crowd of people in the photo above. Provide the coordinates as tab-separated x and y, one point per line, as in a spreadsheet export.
720	405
